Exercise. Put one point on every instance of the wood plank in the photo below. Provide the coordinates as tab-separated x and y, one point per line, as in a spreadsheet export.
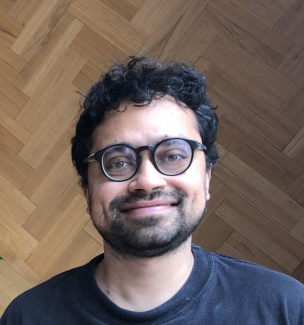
12	209
137	3
293	107
24	10
13	277
51	128
291	23
17	231
14	94
212	73
212	234
91	54
268	12
250	119
124	8
10	174
15	197
76	254
48	94
298	273
256	76
262	185
8	288
15	162
296	190
253	254
296	145
4	302
39	27
50	209
61	176
19	265
9	25
292	60
107	23
54	153
156	43
8	106
191	13
9	140
7	72
151	14
10	125
241	37
59	237
6	5
257	153
255	198
16	245
91	72
296	76
298	231
264	224
188	39
100	44
6	38
63	169
239	218
252	25
249	99
10	58
48	54
86	77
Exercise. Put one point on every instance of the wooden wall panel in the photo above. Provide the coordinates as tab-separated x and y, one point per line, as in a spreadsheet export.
252	54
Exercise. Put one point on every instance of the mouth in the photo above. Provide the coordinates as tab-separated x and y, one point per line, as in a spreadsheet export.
148	207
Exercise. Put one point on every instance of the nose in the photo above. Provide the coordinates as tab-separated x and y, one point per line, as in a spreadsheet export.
148	178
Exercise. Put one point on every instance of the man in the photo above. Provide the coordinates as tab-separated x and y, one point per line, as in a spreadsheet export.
144	148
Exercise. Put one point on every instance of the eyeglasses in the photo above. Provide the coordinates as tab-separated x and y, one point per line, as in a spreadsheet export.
170	157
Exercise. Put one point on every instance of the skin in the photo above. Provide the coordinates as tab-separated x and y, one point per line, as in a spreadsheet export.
133	283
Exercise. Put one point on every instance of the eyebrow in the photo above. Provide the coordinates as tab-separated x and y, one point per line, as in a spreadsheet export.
157	140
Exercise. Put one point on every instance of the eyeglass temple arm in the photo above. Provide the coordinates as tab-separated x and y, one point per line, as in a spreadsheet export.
201	146
90	158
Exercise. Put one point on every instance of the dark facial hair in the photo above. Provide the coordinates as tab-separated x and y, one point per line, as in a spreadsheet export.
145	237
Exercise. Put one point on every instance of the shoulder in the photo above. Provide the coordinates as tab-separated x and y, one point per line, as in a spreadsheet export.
34	303
249	274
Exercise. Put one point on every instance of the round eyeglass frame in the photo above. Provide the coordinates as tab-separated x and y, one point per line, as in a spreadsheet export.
98	156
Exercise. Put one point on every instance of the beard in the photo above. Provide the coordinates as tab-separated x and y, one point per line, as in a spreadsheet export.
148	236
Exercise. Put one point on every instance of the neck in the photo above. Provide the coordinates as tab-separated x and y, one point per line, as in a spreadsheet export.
144	284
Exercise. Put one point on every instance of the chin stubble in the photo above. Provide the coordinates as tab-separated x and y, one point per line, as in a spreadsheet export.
147	236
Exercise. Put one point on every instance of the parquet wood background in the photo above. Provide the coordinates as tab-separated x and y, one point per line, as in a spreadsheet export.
253	52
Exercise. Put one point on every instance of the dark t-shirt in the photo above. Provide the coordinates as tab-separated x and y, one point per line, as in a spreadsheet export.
220	290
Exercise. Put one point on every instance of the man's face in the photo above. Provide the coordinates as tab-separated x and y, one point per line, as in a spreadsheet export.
151	213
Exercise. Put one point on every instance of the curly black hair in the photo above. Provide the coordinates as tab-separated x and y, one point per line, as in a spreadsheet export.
140	81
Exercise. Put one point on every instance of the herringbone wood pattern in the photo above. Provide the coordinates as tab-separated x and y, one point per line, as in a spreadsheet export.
253	54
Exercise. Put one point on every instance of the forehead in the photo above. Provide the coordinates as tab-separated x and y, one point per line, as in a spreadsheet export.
138	126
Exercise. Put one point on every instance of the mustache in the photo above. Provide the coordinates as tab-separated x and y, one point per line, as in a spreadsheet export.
176	194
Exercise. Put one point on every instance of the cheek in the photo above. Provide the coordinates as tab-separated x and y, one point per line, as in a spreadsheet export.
192	183
102	193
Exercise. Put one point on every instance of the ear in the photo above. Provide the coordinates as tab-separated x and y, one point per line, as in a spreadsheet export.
207	182
86	193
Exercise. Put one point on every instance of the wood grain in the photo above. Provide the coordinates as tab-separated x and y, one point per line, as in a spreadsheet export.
252	53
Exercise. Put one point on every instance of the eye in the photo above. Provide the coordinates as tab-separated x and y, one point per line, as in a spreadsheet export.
119	163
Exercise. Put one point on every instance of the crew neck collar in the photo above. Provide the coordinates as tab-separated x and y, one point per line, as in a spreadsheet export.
182	300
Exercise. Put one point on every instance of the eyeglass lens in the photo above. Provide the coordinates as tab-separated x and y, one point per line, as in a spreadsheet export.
171	157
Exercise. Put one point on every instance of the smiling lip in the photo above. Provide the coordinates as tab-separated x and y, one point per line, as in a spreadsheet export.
147	207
